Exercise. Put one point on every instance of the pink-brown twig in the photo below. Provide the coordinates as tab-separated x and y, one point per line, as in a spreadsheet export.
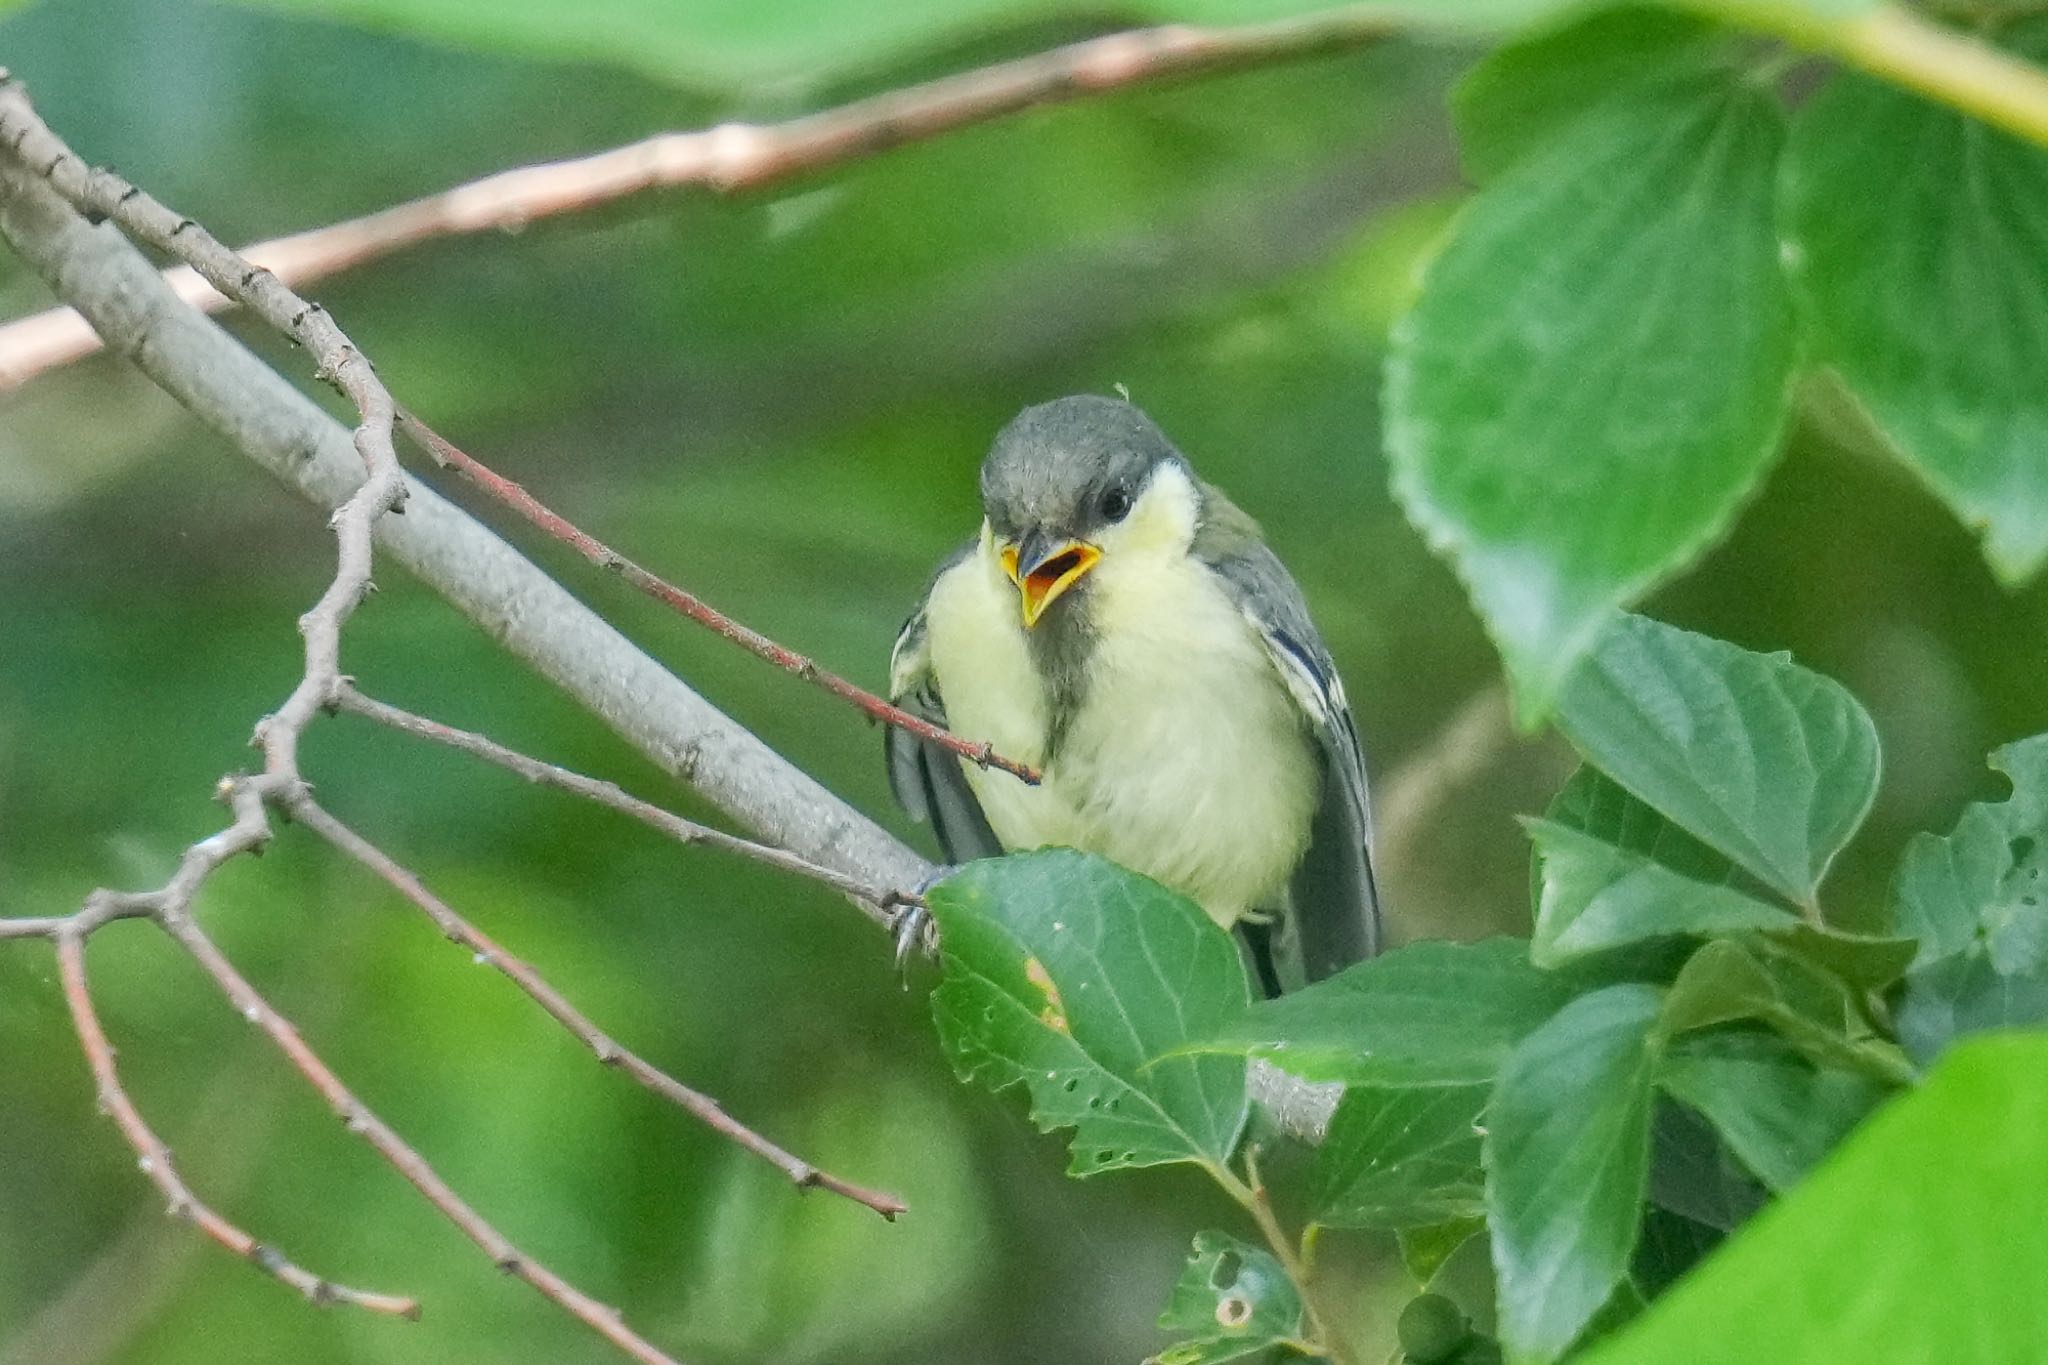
876	902
305	811
154	1158
514	496
733	157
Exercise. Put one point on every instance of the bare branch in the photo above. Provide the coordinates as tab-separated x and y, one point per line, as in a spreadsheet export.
875	902
514	496
305	811
154	1158
733	157
483	577
360	1120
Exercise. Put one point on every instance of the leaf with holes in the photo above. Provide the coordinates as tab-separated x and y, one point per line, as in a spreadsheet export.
1233	1300
1430	1013
1597	369
1987	882
1918	236
1770	764
1076	977
1396	1158
1567	1165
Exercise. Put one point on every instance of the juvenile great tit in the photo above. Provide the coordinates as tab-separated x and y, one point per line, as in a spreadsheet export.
1122	626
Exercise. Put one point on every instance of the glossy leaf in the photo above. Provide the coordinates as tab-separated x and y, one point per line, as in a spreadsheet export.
1918	1241
1074	977
1428	1014
1567	1163
1988	880
1232	1300
1396	1158
1777	1112
1771	764
1596	371
1919	233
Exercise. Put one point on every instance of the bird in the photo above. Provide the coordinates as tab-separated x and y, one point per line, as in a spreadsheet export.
1121	626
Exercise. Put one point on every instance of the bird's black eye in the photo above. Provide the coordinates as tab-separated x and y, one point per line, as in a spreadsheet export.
1116	505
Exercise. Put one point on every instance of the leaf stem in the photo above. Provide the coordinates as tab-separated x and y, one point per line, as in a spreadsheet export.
1250	1192
1951	68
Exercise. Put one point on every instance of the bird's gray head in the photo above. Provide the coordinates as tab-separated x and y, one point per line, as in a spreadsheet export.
1077	479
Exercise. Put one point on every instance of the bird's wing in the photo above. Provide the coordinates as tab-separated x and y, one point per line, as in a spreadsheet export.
1335	912
927	780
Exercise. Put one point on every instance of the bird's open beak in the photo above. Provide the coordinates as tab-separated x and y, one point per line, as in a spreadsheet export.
1042	569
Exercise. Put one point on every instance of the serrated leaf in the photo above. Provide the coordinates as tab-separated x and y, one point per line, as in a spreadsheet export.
1430	1013
1597	369
1918	1241
1395	1158
1769	763
1596	896
1988	880
1075	977
1528	93
1234	1300
1917	235
1567	1163
1777	1111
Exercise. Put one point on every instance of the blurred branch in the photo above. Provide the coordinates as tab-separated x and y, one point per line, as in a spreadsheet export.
732	157
1908	49
305	811
514	496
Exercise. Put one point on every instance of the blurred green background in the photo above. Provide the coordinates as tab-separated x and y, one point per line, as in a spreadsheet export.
780	402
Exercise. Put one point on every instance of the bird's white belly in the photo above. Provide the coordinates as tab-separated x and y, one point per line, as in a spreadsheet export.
1186	760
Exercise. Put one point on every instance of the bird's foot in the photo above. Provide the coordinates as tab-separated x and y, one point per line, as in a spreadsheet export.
913	928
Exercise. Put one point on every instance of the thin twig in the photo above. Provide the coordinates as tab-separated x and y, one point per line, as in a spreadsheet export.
876	902
101	194
154	1158
360	1120
733	157
309	813
506	491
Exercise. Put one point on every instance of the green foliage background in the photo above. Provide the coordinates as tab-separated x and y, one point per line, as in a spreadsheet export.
779	402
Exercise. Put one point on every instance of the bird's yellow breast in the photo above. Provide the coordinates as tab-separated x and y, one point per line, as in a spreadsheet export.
1185	757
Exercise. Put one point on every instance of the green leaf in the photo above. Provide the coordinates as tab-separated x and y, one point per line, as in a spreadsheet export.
1777	1112
1988	880
1528	93
1918	1241
1428	1249
1771	764
1396	1158
1233	1299
1433	1329
1567	1160
1530	438
1596	896
1916	232
1808	1006
1072	975
1869	962
1964	994
1430	1013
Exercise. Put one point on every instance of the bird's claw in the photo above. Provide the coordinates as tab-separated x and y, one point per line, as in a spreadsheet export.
913	928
